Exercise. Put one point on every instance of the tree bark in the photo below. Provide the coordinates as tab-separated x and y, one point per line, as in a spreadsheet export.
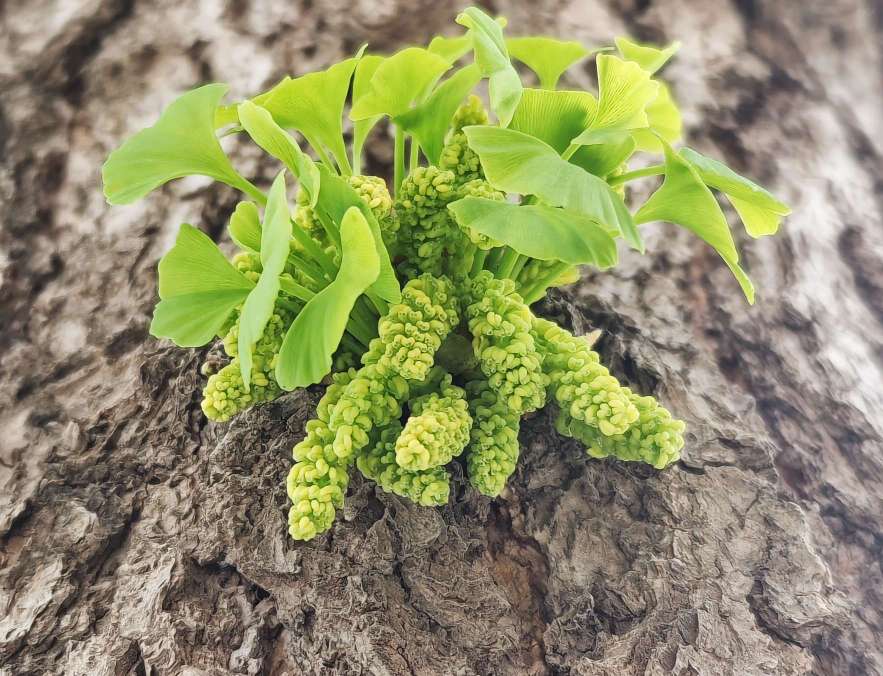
139	539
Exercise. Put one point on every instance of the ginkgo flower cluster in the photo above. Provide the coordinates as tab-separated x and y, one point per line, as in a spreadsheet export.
414	300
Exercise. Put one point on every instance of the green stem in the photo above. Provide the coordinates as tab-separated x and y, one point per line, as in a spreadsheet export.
571	149
292	288
415	155
330	228
478	262
507	263
518	267
465	260
314	251
309	268
352	343
655	170
493	258
252	191
538	290
399	170
323	156
344	164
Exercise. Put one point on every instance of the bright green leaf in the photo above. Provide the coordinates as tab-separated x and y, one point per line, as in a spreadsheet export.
557	116
539	231
429	121
313	104
664	119
648	57
398	81
624	89
335	199
194	319
195	264
261	126
181	143
547	57
516	162
275	247
554	117
245	227
601	159
685	200
492	57
759	210
361	87
450	49
305	357
199	289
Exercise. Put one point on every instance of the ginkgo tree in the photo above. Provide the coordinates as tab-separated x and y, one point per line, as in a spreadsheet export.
412	301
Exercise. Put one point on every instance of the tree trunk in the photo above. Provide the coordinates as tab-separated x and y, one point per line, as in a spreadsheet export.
138	538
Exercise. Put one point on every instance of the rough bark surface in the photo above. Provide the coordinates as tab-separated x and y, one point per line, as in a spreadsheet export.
135	538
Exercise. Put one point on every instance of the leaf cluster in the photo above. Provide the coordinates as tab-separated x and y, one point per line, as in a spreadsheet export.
488	211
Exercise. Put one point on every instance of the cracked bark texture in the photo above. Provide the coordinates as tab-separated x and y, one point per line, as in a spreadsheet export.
138	539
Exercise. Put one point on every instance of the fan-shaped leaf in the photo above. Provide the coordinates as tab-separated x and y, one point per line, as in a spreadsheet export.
181	143
398	81
450	49
759	210
275	247
261	126
664	119
429	121
648	57
199	289
554	117
685	200
539	231
313	104
245	227
516	162
492	57
624	89
305	357
547	57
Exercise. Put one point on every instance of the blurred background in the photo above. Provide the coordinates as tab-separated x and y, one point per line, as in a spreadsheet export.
135	538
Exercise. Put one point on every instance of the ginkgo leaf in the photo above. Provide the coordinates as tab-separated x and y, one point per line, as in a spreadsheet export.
335	199
547	57
275	247
516	162
663	119
759	210
450	49
429	121
648	57
361	87
245	227
195	264
624	90
492	57
684	199
554	117
199	289
262	128
398	81
194	319
313	105
539	231
181	143
306	354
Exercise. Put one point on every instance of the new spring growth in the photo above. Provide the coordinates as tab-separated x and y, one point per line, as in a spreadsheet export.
415	300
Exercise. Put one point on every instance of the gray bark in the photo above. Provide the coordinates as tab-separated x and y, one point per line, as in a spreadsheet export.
138	539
